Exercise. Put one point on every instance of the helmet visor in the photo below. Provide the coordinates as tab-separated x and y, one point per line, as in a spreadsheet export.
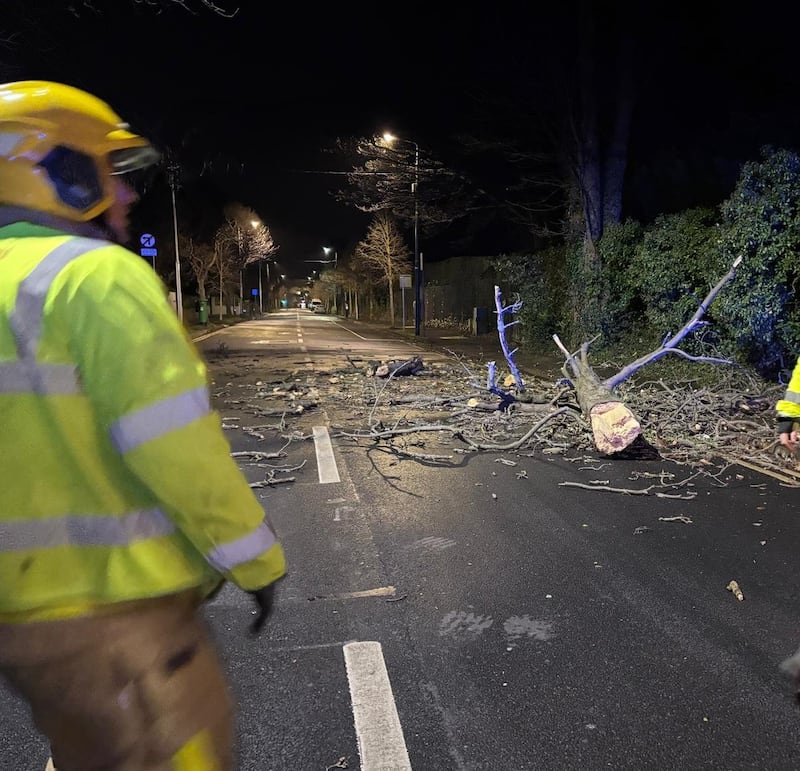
130	159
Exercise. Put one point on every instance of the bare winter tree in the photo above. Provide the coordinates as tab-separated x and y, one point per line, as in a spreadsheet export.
201	258
41	28
187	5
348	281
601	128
560	144
224	274
385	252
396	175
243	240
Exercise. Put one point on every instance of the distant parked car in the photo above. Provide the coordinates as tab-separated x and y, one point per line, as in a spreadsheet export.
317	306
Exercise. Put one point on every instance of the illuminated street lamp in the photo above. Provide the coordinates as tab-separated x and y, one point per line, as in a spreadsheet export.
328	250
417	263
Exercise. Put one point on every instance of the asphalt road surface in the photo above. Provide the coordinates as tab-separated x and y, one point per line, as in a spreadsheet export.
481	614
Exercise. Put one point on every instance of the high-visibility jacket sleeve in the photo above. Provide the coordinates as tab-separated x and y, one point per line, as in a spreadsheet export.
789	406
149	388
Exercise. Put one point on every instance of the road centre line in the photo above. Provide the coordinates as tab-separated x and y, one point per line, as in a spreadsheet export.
326	462
381	744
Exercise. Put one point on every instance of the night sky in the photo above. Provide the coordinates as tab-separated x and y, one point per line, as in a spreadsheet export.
253	101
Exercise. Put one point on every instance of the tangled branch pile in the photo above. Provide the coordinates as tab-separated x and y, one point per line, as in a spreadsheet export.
728	420
444	410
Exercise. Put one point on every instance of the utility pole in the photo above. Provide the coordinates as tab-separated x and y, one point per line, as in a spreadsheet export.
417	262
417	257
241	287
260	301
172	172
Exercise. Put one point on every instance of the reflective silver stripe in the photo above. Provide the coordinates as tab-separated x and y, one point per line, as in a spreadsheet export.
26	318
81	530
27	375
226	557
160	418
792	396
49	379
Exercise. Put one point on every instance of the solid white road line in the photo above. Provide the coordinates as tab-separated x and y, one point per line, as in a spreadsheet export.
326	463
381	744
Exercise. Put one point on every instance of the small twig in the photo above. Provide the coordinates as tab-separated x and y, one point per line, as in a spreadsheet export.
341	763
420	456
258	456
624	490
272	482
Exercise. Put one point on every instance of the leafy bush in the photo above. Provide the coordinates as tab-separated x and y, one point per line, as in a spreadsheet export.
759	307
618	295
678	260
540	281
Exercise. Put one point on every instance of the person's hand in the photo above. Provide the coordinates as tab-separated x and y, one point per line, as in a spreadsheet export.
789	441
265	598
788	435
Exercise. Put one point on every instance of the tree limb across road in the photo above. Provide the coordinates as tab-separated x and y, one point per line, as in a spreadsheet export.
431	413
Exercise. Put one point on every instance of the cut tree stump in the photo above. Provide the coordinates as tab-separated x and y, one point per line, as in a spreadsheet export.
614	426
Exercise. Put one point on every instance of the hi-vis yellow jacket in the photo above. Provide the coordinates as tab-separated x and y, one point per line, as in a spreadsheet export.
789	406
116	481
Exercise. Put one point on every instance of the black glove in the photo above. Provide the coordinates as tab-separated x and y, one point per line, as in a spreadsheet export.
264	598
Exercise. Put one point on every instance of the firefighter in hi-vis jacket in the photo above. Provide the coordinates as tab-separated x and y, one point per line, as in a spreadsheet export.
121	509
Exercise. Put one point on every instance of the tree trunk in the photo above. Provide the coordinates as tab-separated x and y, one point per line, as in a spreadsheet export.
391	303
614	426
617	153
588	150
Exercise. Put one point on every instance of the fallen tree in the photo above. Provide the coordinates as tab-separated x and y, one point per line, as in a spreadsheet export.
614	425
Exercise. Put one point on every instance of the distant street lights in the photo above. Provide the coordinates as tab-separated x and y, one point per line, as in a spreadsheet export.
417	263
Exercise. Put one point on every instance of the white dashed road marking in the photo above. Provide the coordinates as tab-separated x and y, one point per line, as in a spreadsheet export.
381	743
326	463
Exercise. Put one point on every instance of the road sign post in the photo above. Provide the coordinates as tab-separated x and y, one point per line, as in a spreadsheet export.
405	283
148	242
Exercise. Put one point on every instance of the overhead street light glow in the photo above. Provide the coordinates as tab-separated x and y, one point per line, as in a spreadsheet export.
389	137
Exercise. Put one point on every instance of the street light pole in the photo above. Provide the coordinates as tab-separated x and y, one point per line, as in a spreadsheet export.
173	171
241	288
417	266
260	301
328	250
417	256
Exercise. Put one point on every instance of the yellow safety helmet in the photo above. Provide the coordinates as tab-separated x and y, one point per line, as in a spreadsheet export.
59	147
